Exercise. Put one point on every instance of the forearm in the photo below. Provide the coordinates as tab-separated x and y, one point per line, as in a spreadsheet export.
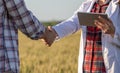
24	19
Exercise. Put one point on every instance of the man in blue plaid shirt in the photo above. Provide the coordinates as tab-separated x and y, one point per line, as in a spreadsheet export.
13	16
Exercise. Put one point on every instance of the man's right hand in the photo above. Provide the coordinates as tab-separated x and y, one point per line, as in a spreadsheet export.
49	36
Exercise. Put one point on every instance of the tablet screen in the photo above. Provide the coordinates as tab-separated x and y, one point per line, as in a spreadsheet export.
87	19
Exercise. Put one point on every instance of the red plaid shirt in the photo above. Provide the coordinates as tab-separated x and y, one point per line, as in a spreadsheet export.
93	59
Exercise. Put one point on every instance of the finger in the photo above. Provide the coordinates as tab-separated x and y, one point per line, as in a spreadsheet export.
48	44
49	41
98	24
42	40
101	26
49	28
106	22
103	20
108	25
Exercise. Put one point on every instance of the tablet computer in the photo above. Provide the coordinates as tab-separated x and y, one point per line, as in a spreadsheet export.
87	19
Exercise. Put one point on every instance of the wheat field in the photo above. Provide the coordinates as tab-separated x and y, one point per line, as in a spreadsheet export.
61	57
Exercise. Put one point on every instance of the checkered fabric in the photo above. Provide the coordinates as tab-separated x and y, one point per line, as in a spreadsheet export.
93	58
13	16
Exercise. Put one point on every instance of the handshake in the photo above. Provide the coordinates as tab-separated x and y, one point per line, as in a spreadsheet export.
49	36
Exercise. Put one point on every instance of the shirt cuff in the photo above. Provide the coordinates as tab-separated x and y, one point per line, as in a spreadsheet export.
59	33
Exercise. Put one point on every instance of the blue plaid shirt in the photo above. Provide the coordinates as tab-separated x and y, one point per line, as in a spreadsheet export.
13	16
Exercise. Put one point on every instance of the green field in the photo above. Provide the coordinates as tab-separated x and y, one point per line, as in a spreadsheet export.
61	57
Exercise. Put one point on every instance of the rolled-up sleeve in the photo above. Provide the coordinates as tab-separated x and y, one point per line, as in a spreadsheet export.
24	19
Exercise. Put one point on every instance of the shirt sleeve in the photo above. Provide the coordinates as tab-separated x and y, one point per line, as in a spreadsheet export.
24	19
69	26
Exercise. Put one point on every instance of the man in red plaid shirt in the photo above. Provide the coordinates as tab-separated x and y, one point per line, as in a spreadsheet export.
100	45
13	16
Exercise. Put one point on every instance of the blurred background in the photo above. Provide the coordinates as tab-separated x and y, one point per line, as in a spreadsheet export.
47	10
62	56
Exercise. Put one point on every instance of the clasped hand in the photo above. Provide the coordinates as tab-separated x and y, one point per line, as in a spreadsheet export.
49	36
